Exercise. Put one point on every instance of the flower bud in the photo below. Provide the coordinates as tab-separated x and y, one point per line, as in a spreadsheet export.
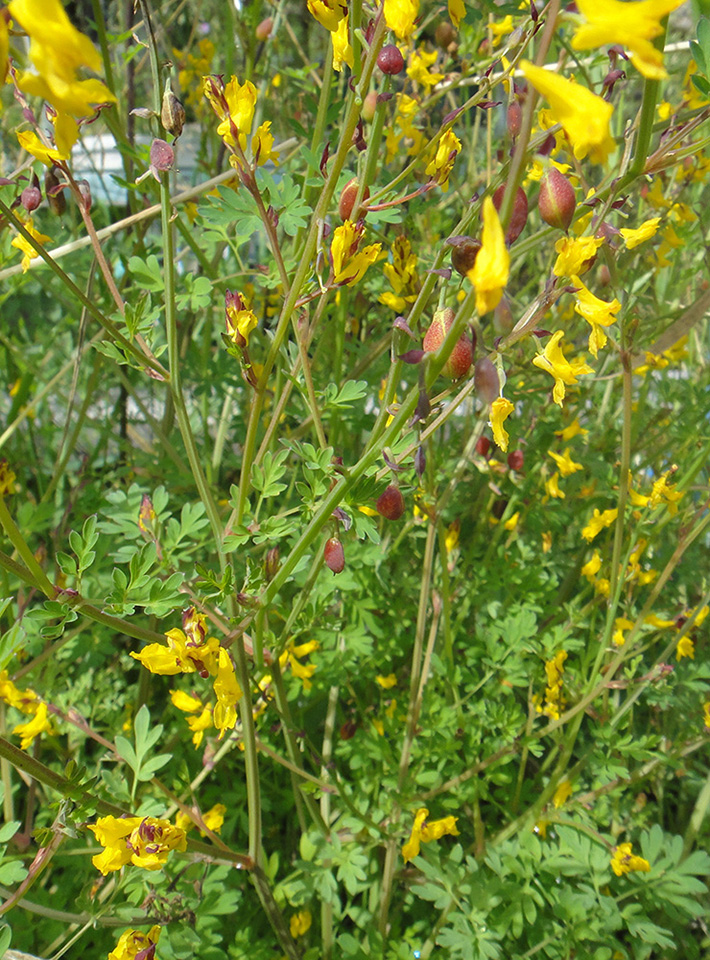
369	105
464	251
271	563
31	196
514	118
347	198
263	31
556	201
390	504
516	459
390	60
483	445
54	189
334	555
486	380
85	191
172	112
518	217
461	357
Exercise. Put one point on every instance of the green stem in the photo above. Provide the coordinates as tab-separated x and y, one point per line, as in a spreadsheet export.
39	577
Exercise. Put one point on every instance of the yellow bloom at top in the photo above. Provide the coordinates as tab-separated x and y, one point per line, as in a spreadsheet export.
142	841
423	832
598	522
571	431
598	314
442	163
57	51
457	11
489	273
553	361
228	693
501	408
575	254
234	105
181	655
592	567
623	861
329	13
662	492
565	464
633	238
342	50
400	16
349	264
632	25
584	116
133	942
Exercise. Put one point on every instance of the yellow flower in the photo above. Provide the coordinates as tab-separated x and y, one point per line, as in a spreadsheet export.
214	818
512	522
189	704
240	318
387	682
181	655
451	540
142	841
592	567
328	13
442	163
33	728
621	624
574	253
418	69
228	693
57	51
349	264
565	464
598	314
489	273
457	11
262	145
500	411
400	16
292	656
654	620
300	923
26	247
554	362
234	105
554	698
662	492
7	476
547	541
342	51
552	486
584	116
30	142
598	522
4	49
133	942
633	238
706	714
623	861
631	25
562	794
423	832
685	648
571	431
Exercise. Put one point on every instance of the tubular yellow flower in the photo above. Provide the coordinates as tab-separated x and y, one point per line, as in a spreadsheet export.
706	714
142	841
633	238
4	49
400	16
418	69
26	247
342	51
562	794
132	943
554	698
552	487
7	478
571	431
621	624
387	682
500	411
573	254
554	362
57	51
228	693
214	818
457	11
592	567
623	861
300	923
598	314
234	105
584	116
30	730
181	655
423	832
565	464
489	273
442	163
349	264
328	13
663	492
240	318
598	522
632	25
30	142
262	145
685	648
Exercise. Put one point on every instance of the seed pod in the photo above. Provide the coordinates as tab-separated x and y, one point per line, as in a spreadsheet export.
390	504
347	198
390	60
31	196
519	216
514	118
486	380
483	445
334	555
172	112
464	251
556	201
516	459
461	357
369	105
263	31
445	34
55	193
271	563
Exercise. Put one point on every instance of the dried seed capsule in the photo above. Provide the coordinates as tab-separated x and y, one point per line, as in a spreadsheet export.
445	34
334	555
556	201
519	216
390	60
464	251
172	112
515	118
461	357
486	380
390	504
54	190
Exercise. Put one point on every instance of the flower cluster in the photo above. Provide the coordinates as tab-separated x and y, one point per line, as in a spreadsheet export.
134	945
143	841
234	104
349	262
554	697
623	861
402	275
26	701
423	832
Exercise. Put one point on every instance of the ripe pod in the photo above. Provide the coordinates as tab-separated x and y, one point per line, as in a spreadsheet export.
347	198
390	504
369	105
515	118
461	357
263	31
445	35
519	216
486	380
516	459
483	445
556	201
390	60
464	251
334	555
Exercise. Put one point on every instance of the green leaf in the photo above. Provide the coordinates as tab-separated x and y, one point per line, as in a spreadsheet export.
5	939
350	391
8	830
12	871
147	273
126	752
701	84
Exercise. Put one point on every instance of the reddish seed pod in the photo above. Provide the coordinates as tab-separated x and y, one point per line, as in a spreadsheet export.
515	118
464	251
483	445
263	31
516	459
519	216
369	105
347	198
390	504
390	60
348	730
556	201
31	197
334	555
486	380
459	362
